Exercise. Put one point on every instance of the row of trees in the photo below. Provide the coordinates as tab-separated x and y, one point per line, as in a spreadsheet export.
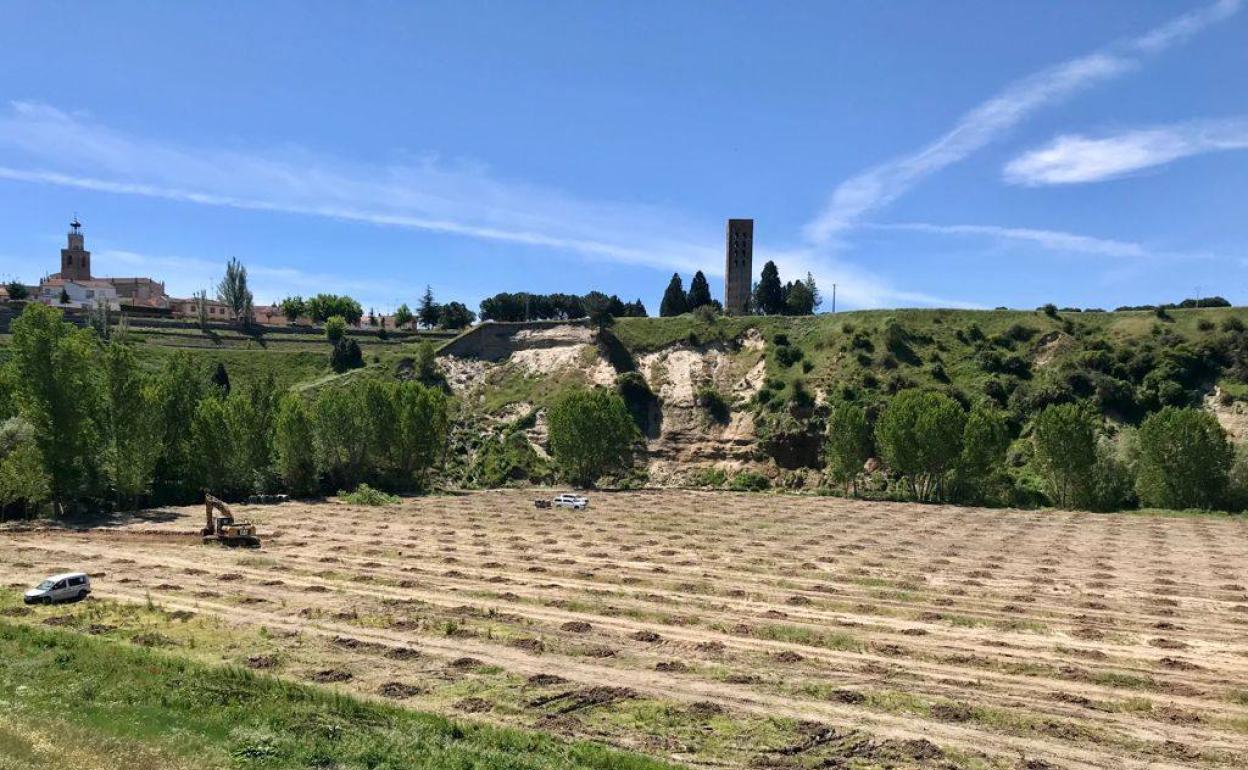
1179	457
771	297
84	422
429	314
321	308
768	297
677	301
523	306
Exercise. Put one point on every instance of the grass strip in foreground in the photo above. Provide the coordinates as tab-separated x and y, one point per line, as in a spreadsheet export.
210	716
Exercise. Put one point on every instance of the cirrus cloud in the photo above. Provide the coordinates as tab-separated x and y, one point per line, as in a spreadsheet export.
1077	159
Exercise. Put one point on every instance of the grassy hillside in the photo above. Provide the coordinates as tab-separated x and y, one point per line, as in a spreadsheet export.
1020	359
1129	362
291	358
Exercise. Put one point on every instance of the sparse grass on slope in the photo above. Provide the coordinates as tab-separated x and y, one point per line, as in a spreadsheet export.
100	704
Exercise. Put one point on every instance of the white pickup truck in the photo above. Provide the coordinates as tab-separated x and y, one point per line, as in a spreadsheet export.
575	502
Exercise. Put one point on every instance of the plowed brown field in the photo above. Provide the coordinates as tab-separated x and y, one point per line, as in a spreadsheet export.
716	629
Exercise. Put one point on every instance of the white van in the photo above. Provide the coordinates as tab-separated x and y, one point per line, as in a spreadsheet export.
575	502
67	586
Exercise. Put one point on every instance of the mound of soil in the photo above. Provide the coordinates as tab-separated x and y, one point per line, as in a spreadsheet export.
645	636
704	709
535	646
579	700
462	663
545	680
577	626
262	661
152	639
399	690
600	652
330	675
403	653
473	705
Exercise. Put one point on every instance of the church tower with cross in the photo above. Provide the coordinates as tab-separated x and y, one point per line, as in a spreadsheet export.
75	260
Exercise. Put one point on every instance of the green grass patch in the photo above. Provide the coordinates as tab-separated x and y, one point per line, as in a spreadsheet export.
218	716
808	636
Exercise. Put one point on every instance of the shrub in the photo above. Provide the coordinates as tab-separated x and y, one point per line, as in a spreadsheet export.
1184	460
1109	482
919	435
346	355
591	433
709	477
1049	309
788	355
22	478
985	439
1205	325
848	445
801	397
1020	333
508	460
293	441
1064	438
749	481
335	328
366	495
1237	480
780	339
714	403
1232	324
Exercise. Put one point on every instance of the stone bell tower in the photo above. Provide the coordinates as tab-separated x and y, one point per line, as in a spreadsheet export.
75	260
738	266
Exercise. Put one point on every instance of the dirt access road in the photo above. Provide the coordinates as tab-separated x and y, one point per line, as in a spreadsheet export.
716	629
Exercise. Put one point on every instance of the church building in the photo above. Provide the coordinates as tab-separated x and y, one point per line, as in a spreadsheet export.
75	286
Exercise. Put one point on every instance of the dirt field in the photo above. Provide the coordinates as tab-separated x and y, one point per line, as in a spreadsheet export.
716	629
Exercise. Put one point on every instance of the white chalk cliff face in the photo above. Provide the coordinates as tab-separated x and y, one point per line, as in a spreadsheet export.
683	437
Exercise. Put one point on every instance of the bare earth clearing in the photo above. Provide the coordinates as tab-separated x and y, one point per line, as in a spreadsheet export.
715	629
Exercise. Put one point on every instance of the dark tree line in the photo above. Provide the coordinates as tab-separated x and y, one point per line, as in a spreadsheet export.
677	301
523	306
769	296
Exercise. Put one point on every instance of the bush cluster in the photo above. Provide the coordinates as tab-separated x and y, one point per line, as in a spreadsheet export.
1178	458
85	425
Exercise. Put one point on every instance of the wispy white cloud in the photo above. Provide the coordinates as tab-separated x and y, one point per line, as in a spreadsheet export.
1057	241
1075	159
880	185
423	195
41	144
186	275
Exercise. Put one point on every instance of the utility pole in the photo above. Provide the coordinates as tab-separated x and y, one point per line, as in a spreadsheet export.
833	298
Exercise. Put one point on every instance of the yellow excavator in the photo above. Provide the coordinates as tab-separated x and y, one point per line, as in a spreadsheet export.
220	527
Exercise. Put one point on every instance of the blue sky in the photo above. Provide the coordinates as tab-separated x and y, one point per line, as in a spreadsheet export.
929	153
